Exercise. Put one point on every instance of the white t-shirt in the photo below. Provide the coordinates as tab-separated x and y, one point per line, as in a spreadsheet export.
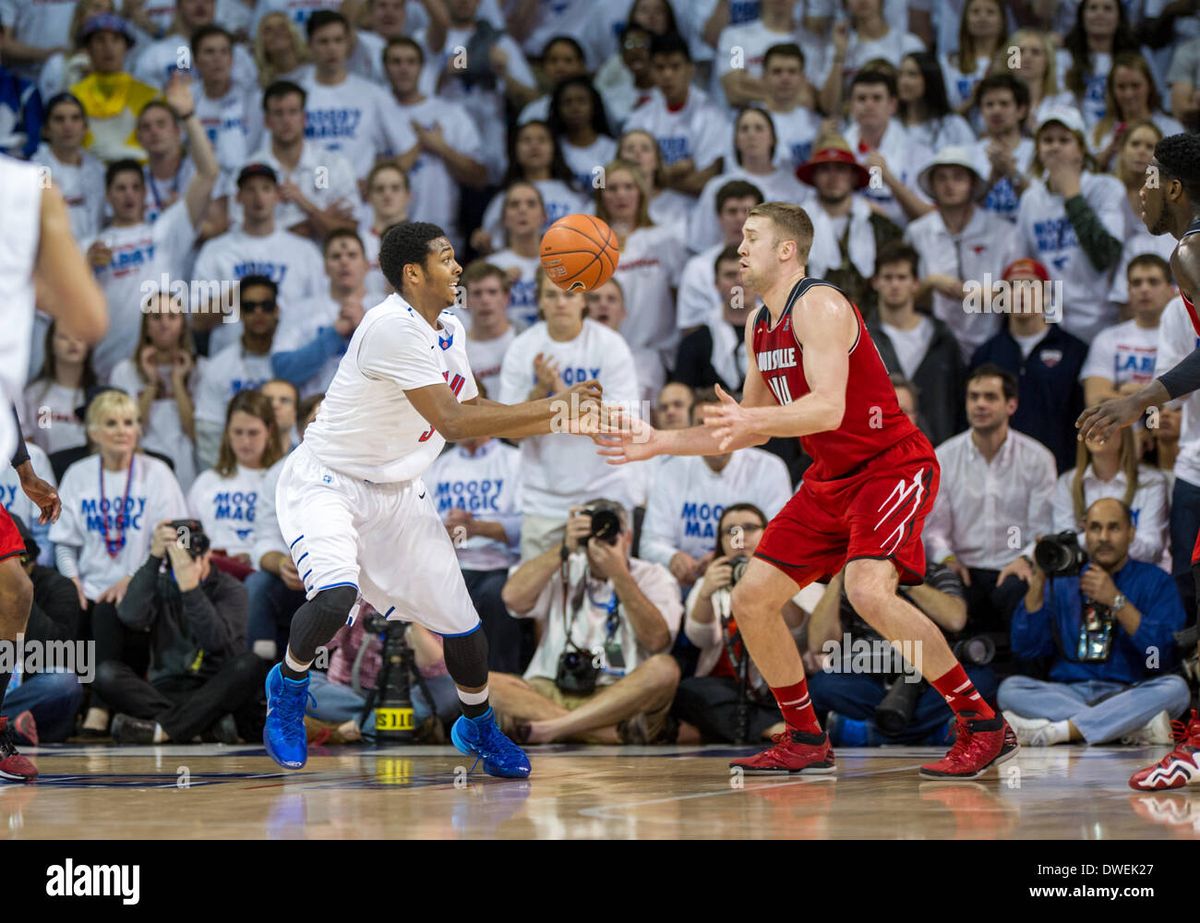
141	253
486	358
164	434
234	127
795	133
1048	234
156	62
153	495
905	157
323	177
910	345
583	161
559	198
162	192
224	375
18	503
648	271
349	118
1122	353
49	416
892	47
1002	198
780	185
699	130
292	262
82	189
559	470
1093	104
522	296
435	193
227	507
960	86
1149	506
687	498
485	485
367	427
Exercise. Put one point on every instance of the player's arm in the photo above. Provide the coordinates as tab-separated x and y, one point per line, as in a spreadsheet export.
457	420
66	288
826	327
1105	419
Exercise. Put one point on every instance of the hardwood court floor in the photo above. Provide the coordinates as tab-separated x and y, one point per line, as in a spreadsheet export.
202	792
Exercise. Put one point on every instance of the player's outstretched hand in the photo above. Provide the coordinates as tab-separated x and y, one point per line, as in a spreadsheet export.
727	420
1099	422
634	440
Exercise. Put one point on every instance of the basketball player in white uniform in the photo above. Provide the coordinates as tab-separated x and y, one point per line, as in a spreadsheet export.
354	510
37	254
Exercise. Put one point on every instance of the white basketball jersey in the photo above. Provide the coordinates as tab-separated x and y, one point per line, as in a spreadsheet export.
366	426
21	208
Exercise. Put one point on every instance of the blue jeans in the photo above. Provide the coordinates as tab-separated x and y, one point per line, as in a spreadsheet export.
271	607
1102	711
856	696
53	698
338	703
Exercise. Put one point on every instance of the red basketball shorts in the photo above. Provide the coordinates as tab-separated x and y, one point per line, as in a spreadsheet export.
10	539
875	512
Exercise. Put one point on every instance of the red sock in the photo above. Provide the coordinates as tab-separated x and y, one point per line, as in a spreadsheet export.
797	708
960	693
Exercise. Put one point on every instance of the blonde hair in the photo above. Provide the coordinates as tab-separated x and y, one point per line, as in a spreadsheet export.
1128	460
1050	77
791	222
266	70
112	403
639	180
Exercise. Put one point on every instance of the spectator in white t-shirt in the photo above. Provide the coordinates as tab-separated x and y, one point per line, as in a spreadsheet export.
389	194
788	97
562	59
1130	96
687	495
280	50
162	375
1134	153
925	111
231	112
242	366
1101	31
60	387
668	207
225	497
487	288
651	260
524	218
285	401
1036	66
982	28
1121	359
626	79
578	120
447	157
673	409
559	351
865	36
78	175
1003	103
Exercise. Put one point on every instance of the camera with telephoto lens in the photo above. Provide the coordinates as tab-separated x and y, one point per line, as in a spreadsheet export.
1060	555
606	526
577	672
737	567
977	651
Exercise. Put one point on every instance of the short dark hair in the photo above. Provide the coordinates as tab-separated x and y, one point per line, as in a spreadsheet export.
565	40
117	167
874	78
403	41
207	31
738	189
669	43
897	251
1179	157
253	280
404	243
1150	259
783	50
337	233
727	254
482	269
1008	381
61	99
281	88
1008	82
737	508
322	18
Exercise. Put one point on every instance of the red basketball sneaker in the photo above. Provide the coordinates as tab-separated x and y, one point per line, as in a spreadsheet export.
978	745
1178	768
13	766
794	752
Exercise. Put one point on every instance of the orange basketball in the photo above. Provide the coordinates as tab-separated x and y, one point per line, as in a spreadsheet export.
579	253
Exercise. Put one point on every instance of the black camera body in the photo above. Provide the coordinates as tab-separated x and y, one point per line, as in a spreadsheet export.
737	567
1060	555
577	672
606	526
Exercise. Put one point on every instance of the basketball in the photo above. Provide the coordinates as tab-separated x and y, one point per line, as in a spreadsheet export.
579	253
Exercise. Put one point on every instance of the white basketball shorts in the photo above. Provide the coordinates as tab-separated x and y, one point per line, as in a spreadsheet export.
386	540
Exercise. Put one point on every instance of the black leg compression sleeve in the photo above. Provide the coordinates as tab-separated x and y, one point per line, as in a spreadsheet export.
318	620
467	659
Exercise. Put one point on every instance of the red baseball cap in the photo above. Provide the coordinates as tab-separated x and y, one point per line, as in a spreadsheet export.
831	154
1026	265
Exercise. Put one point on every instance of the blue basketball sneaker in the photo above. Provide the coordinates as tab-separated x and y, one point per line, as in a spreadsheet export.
480	737
283	734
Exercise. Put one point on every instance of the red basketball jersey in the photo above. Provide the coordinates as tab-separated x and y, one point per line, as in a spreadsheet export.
873	421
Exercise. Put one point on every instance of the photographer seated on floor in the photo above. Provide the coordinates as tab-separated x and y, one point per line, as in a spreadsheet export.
727	701
1108	628
601	672
201	677
870	692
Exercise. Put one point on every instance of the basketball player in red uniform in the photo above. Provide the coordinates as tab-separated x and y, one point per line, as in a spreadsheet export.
1170	205
815	373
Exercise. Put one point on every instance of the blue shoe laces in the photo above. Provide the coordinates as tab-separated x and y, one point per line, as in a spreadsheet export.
290	708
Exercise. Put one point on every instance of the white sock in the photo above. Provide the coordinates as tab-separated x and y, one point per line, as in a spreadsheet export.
294	664
473	698
160	736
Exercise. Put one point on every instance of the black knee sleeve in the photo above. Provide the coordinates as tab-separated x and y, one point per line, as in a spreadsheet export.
467	659
318	620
